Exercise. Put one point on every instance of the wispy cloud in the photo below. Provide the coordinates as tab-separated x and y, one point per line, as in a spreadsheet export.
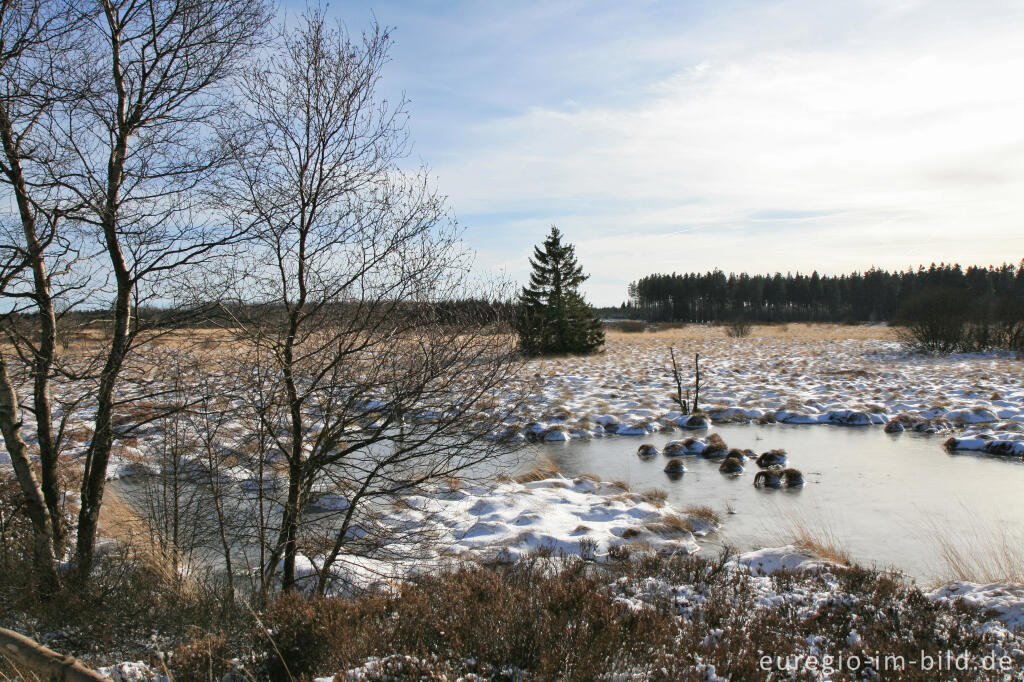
774	136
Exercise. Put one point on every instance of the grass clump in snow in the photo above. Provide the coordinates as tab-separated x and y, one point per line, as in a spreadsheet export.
539	472
704	513
984	553
819	540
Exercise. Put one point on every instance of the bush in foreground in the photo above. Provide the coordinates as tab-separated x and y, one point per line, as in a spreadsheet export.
666	619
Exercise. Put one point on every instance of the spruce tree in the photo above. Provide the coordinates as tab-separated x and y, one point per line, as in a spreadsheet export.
553	317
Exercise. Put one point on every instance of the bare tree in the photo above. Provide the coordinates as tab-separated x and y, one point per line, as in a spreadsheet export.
153	74
363	381
34	36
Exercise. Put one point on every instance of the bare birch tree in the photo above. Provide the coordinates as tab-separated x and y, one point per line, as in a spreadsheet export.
358	379
154	73
34	37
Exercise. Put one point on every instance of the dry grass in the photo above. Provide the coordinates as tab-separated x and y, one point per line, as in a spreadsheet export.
655	496
981	553
120	522
670	524
540	471
695	333
818	539
704	512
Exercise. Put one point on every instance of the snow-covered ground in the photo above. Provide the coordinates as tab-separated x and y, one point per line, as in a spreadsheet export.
510	520
799	599
799	374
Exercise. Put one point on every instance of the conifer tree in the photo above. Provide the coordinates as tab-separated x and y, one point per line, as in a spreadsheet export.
553	317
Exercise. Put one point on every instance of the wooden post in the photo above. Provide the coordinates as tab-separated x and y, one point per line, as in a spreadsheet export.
46	663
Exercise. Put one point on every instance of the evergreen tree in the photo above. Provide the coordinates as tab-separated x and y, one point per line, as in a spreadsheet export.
553	317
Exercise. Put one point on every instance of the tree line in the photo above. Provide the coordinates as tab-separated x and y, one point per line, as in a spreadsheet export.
870	296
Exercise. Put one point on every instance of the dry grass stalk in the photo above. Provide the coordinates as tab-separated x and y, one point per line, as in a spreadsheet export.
819	540
120	522
539	472
704	512
982	553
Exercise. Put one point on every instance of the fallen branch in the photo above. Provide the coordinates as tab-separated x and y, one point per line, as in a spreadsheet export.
46	663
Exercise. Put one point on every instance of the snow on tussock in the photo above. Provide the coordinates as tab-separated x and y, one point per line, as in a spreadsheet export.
629	389
557	513
771	560
1002	601
511	520
1007	440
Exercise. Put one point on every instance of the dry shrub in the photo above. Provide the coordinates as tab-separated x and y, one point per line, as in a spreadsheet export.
15	533
203	658
539	619
738	328
314	635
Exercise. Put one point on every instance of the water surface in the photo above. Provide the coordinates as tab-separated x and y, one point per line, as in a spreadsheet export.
882	496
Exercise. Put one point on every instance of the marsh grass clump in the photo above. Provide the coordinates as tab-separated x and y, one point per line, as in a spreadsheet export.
669	525
539	472
647	450
815	537
983	553
655	496
704	512
675	466
715	446
776	457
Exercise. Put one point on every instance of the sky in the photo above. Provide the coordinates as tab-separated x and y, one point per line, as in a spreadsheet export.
748	136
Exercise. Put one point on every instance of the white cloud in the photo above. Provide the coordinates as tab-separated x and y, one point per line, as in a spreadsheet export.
894	148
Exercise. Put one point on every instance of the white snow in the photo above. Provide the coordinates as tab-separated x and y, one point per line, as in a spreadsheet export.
834	376
1003	601
771	560
1006	443
510	520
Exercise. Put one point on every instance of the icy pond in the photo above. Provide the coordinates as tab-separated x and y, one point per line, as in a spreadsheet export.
882	496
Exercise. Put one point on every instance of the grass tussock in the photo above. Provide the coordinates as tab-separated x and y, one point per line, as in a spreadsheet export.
655	496
982	553
704	513
539	472
671	524
818	539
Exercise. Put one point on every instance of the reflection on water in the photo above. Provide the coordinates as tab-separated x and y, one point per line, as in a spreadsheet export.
882	496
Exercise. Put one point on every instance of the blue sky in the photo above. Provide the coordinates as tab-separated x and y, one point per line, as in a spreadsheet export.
749	136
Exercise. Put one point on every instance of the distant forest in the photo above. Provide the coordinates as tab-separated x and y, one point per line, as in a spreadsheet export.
872	296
